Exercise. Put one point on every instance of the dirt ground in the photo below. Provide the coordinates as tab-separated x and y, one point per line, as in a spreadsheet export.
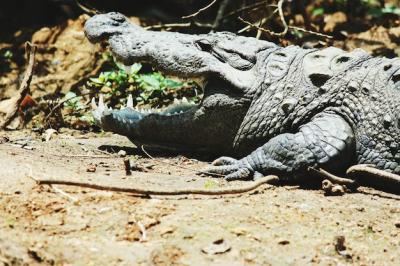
62	225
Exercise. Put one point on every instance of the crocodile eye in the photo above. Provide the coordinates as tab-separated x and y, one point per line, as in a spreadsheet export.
118	18
204	45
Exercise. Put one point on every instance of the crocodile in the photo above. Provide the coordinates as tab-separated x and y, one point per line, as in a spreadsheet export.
266	109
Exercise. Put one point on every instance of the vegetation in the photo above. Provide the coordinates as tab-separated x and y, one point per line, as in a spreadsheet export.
148	88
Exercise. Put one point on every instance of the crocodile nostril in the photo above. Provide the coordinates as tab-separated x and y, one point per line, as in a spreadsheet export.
343	59
387	67
396	78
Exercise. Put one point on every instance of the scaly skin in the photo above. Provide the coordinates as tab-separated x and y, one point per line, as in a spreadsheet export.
277	110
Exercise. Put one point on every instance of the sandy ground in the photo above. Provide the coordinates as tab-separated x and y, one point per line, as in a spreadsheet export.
270	226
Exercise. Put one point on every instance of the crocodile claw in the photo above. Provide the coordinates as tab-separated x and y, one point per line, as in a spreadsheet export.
231	169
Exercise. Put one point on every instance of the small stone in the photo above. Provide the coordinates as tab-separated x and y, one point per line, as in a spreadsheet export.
338	190
397	224
122	153
91	168
218	246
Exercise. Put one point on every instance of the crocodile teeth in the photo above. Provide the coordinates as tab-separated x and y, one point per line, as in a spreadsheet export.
129	102
185	100
93	104
176	101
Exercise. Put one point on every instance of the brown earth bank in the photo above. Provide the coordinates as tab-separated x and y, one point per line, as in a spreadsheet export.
62	225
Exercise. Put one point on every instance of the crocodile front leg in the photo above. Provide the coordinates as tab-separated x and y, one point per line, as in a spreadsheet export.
327	141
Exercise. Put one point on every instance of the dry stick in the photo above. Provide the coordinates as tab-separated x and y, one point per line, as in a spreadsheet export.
24	87
94	156
170	25
367	169
88	9
250	25
249	7
259	32
60	103
56	189
285	26
284	23
174	192
220	14
178	25
280	10
200	10
333	178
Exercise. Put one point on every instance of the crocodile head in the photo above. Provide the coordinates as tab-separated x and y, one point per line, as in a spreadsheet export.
231	65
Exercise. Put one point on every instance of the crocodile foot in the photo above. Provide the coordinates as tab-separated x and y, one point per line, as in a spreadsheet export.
232	169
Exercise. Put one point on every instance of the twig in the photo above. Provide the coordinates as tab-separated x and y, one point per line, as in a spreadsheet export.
24	87
56	189
200	10
170	25
286	27
376	178
250	25
220	14
65	194
311	32
178	25
249	7
333	178
174	192
88	9
81	156
259	32
60	103
282	17
142	228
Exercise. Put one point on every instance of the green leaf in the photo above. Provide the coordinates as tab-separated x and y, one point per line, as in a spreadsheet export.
150	81
173	84
135	68
96	80
318	11
375	12
391	9
8	54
